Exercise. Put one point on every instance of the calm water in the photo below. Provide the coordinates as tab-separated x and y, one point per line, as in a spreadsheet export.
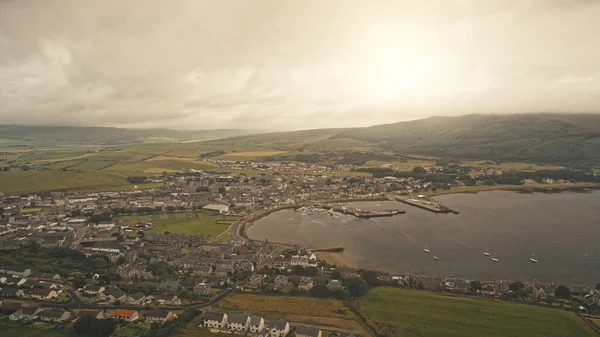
562	229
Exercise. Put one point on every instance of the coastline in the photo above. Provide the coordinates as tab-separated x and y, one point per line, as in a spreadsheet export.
542	188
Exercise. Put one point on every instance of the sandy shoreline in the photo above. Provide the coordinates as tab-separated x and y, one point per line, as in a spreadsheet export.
337	259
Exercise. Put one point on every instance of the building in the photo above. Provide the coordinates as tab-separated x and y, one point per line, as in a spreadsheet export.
158	315
54	315
43	294
257	324
307	331
168	299
126	315
11	292
348	272
92	290
136	298
279	328
238	322
215	320
215	208
306	283
24	313
334	285
203	288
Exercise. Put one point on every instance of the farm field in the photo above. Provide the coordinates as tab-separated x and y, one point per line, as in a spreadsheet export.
185	223
420	313
275	306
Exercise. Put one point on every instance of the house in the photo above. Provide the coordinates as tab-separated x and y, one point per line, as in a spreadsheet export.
255	281
113	294
215	320
203	270
279	328
24	313
238	322
348	272
11	292
579	289
203	288
462	286
550	291
126	315
158	315
334	285
307	331
17	271
98	314
257	324
306	283
46	276
214	208
281	282
168	299
169	285
9	307
136	298
300	261
93	290
43	294
54	315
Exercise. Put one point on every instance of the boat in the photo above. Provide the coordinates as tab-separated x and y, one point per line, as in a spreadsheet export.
435	257
494	258
486	253
425	249
532	258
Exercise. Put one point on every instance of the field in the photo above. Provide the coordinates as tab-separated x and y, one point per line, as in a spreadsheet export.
419	313
185	223
279	306
10	328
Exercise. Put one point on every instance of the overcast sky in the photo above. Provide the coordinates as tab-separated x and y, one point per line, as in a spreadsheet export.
292	64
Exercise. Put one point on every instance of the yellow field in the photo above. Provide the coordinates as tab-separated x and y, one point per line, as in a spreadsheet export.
250	155
279	306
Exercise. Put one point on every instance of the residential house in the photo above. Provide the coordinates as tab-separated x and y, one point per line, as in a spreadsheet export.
43	294
255	281
168	299
302	261
203	288
16	271
215	320
306	283
126	315
348	272
97	314
202	270
257	324
238	322
169	286
158	315
113	294
550	291
279	328
281	282
462	286
54	315
46	276
92	290
307	331
25	313
334	285
579	289
137	298
11	292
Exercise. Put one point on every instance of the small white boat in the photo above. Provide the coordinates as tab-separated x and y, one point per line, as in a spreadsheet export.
495	259
435	257
426	250
486	253
532	258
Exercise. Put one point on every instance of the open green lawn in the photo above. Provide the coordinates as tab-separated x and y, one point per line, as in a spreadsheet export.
185	223
10	328
420	313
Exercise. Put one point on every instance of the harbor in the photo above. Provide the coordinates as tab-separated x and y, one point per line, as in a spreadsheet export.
426	204
336	210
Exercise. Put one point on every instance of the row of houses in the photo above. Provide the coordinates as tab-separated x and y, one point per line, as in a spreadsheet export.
114	294
254	325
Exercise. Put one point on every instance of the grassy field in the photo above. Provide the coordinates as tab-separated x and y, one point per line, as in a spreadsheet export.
279	306
419	313
185	223
10	328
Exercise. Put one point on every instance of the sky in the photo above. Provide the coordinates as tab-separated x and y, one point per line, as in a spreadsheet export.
285	65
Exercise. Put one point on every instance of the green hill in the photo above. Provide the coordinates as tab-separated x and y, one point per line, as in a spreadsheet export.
546	138
73	135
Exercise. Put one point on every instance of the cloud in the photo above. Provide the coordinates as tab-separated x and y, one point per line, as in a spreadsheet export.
288	65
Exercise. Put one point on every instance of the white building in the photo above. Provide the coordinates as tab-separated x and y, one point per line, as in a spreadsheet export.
238	322
215	208
215	320
257	324
279	328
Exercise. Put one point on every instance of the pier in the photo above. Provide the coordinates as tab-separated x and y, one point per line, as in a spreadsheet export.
359	213
427	205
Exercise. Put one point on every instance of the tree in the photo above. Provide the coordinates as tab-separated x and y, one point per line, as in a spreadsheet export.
516	286
222	189
336	275
420	286
370	277
598	286
90	326
419	170
121	260
563	292
356	287
475	285
170	209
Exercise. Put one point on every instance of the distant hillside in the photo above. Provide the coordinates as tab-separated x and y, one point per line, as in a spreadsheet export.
546	138
540	138
70	135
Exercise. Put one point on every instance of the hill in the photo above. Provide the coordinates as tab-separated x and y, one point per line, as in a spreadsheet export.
545	138
72	135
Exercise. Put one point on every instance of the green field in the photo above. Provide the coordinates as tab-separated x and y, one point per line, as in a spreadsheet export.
420	313
10	328
185	223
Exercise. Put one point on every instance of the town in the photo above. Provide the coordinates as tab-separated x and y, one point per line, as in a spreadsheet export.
148	257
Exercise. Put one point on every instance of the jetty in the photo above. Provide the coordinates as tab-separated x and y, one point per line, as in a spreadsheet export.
426	204
359	213
336	249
